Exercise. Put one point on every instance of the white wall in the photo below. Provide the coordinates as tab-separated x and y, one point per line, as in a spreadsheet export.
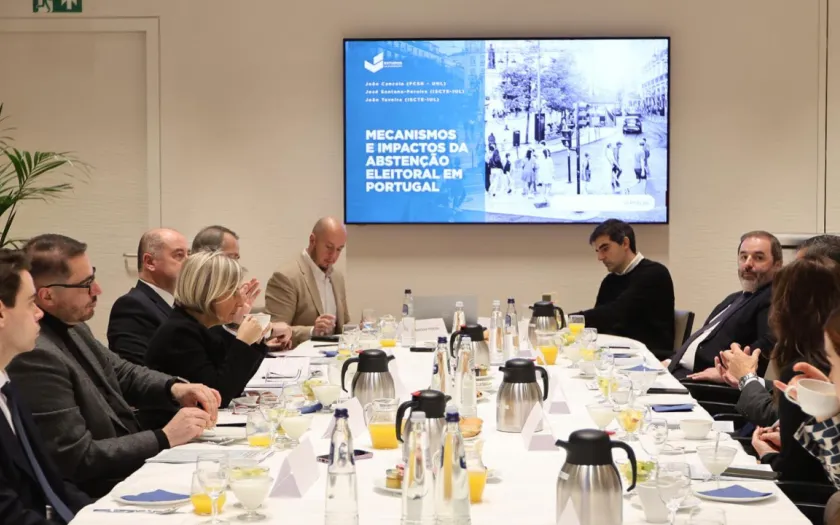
251	136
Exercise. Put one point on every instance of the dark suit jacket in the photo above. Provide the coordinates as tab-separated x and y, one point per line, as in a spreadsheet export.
756	404
747	326
92	435
22	501
185	348
135	317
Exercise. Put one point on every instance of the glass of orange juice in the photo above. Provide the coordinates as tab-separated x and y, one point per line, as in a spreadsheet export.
576	324
382	420
388	331
547	347
476	470
201	501
259	430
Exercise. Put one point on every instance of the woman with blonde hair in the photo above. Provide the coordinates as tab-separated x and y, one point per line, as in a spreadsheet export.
207	295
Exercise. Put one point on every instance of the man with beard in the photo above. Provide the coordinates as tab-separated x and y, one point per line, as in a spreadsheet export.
308	293
741	318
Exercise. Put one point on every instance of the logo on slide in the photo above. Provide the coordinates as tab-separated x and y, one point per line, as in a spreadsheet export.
378	63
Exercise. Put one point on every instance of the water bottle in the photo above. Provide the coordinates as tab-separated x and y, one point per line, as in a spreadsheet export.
497	328
465	389
342	506
511	346
452	488
440	369
408	328
418	490
459	318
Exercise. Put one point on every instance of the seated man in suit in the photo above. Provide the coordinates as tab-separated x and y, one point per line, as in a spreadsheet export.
81	393
137	315
308	293
741	318
29	480
218	238
636	299
741	368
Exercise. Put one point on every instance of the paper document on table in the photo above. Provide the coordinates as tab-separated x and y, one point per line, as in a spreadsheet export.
182	455
274	373
298	472
534	439
426	330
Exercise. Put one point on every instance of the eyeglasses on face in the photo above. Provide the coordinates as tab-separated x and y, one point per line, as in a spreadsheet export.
86	284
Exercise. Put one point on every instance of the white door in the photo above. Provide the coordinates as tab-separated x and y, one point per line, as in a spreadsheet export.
88	86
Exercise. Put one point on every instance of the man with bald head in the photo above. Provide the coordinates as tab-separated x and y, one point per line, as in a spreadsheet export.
308	293
137	315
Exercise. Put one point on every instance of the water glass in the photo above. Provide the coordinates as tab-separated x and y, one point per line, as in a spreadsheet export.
214	481
654	437
348	341
673	482
259	430
590	336
368	318
706	516
620	391
576	324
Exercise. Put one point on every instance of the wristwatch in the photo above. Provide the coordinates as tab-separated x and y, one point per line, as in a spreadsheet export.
751	376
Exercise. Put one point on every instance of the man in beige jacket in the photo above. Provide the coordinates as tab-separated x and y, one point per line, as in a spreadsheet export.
308	293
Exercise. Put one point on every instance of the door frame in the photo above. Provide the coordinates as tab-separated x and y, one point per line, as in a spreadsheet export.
150	27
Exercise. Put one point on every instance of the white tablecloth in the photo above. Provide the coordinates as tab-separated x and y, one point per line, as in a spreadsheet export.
526	490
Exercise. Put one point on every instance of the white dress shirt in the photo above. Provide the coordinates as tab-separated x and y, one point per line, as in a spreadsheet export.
635	262
166	296
325	288
4	406
687	360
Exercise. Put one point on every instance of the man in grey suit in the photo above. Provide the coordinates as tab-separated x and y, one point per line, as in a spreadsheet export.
81	394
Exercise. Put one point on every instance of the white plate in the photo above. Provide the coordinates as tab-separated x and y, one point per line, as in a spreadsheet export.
679	435
117	495
711	485
667	399
688	503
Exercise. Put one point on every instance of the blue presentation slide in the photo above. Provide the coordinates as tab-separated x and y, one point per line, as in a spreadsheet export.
506	131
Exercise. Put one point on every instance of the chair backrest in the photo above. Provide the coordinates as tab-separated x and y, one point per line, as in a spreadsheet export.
683	323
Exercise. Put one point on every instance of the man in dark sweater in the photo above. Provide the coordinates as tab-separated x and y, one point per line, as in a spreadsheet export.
636	298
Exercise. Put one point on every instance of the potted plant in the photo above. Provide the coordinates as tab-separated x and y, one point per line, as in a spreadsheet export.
25	176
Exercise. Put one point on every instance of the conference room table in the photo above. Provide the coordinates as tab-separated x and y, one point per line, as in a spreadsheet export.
525	484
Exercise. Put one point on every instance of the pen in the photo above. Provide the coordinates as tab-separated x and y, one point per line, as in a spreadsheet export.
324	346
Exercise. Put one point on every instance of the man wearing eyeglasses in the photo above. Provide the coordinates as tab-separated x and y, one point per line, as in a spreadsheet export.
81	394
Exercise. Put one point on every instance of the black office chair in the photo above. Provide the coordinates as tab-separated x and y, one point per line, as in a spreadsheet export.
714	408
809	498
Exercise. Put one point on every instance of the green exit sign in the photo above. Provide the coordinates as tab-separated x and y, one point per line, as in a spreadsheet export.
56	6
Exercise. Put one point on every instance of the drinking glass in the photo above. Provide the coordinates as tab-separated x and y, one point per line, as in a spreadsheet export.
716	459
630	419
388	331
259	430
348	341
642	381
212	461
546	347
590	336
201	501
572	352
706	516
620	391
327	395
576	324
214	481
602	414
654	437
295	424
368	318
241	468
251	492
673	483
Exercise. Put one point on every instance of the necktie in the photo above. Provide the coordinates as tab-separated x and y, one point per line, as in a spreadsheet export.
59	506
733	307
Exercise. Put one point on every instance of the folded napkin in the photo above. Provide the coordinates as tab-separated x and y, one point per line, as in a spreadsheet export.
641	368
734	491
329	353
155	496
672	408
309	409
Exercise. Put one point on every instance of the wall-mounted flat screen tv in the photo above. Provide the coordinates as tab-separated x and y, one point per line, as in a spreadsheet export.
560	130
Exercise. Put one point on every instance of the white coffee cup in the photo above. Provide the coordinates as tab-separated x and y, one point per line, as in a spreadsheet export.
695	428
652	505
814	397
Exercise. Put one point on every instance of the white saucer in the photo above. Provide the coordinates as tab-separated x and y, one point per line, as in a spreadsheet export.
679	435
